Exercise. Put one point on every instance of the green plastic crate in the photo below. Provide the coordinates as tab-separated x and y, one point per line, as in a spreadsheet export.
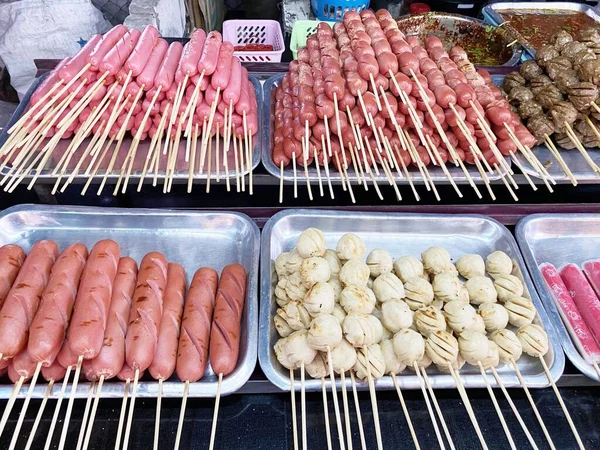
301	31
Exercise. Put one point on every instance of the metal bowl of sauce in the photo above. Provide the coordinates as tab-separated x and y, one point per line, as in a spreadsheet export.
486	45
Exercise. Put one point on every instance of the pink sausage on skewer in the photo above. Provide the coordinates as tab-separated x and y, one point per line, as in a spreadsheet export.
585	340
592	271
584	297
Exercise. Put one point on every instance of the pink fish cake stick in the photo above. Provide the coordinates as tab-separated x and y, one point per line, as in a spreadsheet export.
592	271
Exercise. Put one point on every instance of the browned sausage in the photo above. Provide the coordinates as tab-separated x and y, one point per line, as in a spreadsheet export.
165	358
23	299
146	312
11	260
192	353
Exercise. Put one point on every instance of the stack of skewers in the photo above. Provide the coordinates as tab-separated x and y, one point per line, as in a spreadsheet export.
362	96
557	95
91	115
339	314
97	315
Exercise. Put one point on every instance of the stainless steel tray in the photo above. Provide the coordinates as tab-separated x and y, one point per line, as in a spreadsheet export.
436	172
575	161
181	167
493	13
456	29
193	239
559	239
400	234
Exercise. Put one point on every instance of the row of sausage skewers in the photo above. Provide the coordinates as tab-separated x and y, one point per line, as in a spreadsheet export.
393	101
131	82
98	314
339	314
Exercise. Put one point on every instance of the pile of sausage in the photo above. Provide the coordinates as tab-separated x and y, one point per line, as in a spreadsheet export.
143	63
337	74
60	307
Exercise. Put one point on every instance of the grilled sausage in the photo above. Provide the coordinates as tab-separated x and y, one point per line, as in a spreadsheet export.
165	358
11	260
146	312
50	323
23	299
86	331
111	357
226	325
192	353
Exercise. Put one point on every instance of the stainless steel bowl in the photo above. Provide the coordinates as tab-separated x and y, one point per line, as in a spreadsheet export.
476	37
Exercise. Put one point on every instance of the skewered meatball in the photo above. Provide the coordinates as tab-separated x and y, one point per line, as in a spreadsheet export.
540	127
582	95
564	141
513	80
590	71
539	83
558	65
549	96
590	35
530	69
562	112
581	57
560	39
564	80
545	54
529	109
571	49
594	47
519	95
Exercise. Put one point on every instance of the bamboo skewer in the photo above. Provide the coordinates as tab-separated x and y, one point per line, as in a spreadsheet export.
442	164
303	405
345	175
325	165
405	411
294	420
339	128
373	396
361	431
422	168
407	175
326	414
581	148
208	168
10	404
186	390
192	161
88	433
437	409
346	410
532	160
438	435
562	403
242	172
23	412
63	436
320	181
57	408
305	154
336	405
122	414
213	430
218	153
560	160
465	398
514	408
507	432
38	417
158	411
86	413
136	379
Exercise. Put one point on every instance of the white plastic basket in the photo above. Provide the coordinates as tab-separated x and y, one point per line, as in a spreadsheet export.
244	32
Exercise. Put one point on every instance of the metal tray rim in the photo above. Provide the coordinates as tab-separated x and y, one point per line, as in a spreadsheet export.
149	389
547	299
438	381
